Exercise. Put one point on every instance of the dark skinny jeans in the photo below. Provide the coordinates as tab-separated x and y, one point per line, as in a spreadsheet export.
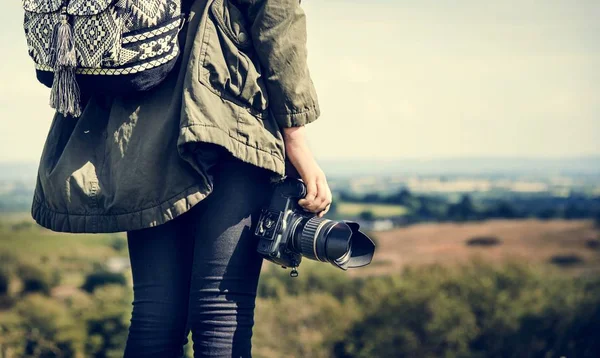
199	271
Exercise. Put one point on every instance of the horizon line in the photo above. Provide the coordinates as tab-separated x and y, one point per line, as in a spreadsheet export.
467	157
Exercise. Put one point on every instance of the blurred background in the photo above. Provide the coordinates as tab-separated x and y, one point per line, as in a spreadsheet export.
462	136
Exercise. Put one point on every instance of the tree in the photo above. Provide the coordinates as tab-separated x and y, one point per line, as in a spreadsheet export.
34	279
47	328
371	198
573	211
402	197
108	323
118	243
102	277
503	209
366	215
463	210
549	213
4	281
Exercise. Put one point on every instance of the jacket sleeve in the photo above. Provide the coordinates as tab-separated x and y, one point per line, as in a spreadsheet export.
278	30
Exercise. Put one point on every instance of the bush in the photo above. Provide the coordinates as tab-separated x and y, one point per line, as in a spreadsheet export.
23	225
313	276
102	277
306	325
593	244
4	281
478	311
484	241
42	327
34	278
107	324
7	258
366	215
118	244
566	260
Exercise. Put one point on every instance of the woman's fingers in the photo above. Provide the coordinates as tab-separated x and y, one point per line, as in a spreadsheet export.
326	205
308	201
311	193
323	195
325	211
318	199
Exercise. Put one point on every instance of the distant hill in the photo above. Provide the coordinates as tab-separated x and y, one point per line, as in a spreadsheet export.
587	165
25	171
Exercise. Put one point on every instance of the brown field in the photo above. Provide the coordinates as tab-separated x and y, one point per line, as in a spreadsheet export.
532	241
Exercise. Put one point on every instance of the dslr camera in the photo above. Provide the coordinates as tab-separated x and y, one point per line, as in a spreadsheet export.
287	232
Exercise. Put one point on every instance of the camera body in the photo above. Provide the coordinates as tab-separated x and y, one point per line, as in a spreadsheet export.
287	233
277	222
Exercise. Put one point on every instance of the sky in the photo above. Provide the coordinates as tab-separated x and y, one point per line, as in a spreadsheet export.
405	79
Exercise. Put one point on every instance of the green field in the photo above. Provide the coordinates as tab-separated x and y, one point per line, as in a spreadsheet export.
378	210
27	240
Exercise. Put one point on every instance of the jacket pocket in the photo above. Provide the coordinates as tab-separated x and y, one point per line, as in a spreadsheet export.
228	64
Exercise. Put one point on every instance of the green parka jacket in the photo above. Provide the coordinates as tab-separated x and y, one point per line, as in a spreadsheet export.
137	161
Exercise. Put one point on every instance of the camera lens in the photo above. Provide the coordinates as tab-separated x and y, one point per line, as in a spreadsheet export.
340	243
324	240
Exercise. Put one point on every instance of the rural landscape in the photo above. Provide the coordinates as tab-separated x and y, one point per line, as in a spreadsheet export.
461	136
499	263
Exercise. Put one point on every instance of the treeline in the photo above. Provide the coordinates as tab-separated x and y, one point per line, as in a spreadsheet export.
440	208
38	320
476	310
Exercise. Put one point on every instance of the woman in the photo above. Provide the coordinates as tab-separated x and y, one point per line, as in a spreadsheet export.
185	168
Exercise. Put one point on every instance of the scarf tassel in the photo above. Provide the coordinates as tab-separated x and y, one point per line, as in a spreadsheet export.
65	93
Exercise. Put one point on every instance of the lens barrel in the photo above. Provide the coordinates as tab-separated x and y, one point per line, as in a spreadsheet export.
332	241
310	236
324	239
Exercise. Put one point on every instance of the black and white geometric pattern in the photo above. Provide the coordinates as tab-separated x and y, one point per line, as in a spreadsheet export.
87	7
146	35
148	13
38	29
45	6
97	38
112	37
121	71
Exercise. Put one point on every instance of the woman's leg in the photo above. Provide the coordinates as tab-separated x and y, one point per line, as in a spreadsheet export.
226	266
161	258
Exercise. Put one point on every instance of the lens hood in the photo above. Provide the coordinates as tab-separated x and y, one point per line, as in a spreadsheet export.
362	248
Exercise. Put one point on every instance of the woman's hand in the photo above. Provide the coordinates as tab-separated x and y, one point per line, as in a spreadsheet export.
318	197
